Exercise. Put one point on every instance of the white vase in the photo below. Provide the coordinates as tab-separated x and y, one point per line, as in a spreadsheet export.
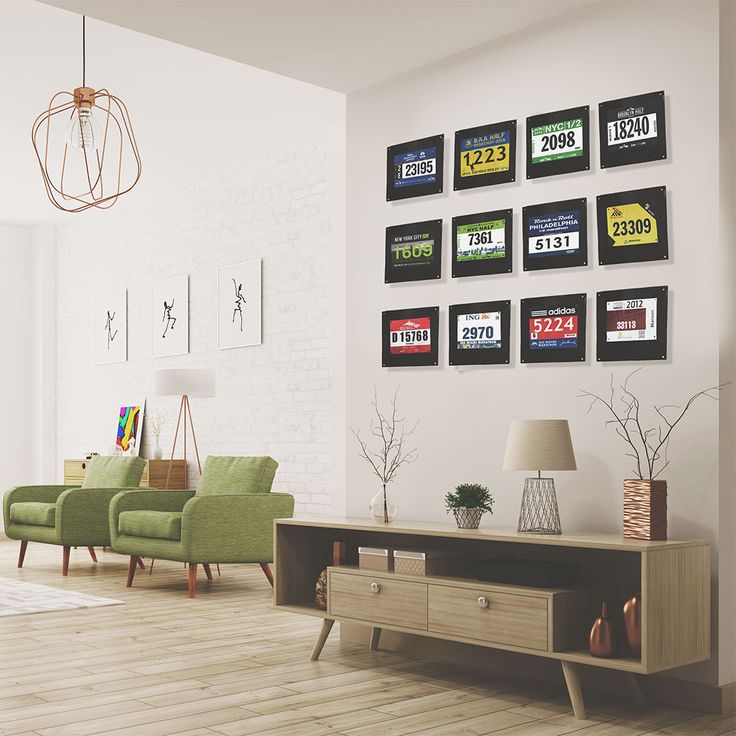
158	453
383	506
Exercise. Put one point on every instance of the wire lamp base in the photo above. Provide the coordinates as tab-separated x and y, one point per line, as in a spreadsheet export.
539	513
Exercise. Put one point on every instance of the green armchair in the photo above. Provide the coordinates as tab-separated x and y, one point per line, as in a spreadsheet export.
70	516
229	518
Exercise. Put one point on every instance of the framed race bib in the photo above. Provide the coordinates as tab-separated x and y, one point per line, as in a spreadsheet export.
632	226
632	324
415	168
410	337
632	130
558	142
481	244
413	251
555	235
485	155
553	329
479	333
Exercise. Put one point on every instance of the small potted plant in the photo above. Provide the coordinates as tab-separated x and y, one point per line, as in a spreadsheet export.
468	502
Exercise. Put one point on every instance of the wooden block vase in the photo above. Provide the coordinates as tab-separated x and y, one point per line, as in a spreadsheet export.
645	509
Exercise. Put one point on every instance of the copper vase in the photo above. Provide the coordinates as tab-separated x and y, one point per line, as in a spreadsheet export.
632	624
602	635
645	509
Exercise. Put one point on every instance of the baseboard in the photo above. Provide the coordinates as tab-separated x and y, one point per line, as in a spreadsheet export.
657	689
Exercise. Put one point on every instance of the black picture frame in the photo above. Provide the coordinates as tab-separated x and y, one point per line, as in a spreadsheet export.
399	186
486	222
623	219
555	224
424	318
495	144
414	237
562	349
633	349
557	161
628	117
480	354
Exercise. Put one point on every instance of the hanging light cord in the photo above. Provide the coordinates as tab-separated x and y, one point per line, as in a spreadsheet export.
84	51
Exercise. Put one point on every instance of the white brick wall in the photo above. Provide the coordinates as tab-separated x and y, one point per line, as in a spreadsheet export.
277	398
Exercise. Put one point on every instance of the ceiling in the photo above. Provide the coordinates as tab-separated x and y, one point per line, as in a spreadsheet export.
342	45
195	115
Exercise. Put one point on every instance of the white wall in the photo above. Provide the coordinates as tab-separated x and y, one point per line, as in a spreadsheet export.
464	414
277	398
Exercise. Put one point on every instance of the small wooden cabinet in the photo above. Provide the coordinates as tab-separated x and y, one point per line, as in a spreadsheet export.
673	578
154	474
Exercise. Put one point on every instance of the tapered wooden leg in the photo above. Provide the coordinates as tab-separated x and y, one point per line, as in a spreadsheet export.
22	552
141	564
572	680
192	578
150	567
375	638
218	569
207	570
267	572
92	554
132	564
65	561
322	638
636	688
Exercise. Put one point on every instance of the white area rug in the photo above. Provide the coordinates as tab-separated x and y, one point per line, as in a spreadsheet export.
17	597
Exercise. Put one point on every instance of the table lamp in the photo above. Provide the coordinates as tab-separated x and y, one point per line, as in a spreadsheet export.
184	382
539	444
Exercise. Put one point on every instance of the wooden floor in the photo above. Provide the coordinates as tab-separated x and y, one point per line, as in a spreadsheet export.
227	664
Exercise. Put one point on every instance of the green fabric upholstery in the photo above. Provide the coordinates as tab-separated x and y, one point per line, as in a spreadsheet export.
80	515
114	471
151	524
34	513
231	475
216	527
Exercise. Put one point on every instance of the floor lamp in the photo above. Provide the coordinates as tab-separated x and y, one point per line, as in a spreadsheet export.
184	382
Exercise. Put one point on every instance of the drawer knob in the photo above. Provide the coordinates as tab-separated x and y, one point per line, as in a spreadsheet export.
84	466
482	602
375	588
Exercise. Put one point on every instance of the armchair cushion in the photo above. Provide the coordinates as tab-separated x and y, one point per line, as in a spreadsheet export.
114	472
151	524
236	475
33	513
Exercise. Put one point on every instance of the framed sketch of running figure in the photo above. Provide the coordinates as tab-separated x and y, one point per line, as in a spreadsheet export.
170	317
239	305
110	327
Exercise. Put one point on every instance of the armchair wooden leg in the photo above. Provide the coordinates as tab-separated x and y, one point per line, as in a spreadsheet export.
134	559
142	564
267	572
22	553
92	553
150	567
207	570
218	569
192	578
65	561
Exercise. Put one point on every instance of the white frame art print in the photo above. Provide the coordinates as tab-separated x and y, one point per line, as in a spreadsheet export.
239	305
170	317
111	327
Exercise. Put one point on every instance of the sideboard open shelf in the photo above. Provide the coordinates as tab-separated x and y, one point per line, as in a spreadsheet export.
673	578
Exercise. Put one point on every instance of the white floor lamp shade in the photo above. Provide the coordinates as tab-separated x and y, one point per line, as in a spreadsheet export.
539	444
184	382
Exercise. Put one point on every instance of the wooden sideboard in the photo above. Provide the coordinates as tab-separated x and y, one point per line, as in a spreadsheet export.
673	578
154	474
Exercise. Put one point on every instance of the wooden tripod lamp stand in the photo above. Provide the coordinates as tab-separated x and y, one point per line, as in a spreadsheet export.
184	382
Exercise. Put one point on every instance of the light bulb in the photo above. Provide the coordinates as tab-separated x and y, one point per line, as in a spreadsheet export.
83	131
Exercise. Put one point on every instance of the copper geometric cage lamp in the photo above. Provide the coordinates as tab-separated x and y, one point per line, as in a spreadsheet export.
86	147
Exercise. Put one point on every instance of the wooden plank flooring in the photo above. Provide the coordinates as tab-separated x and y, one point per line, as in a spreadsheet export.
226	664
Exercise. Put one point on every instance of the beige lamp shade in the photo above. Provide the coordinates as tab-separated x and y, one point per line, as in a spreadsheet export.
539	444
194	382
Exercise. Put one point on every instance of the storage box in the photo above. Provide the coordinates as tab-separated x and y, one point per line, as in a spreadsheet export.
427	562
375	558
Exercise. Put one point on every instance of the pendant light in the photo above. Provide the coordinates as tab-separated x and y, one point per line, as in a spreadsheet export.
86	147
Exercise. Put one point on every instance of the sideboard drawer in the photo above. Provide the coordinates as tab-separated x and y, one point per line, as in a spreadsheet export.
486	615
378	599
